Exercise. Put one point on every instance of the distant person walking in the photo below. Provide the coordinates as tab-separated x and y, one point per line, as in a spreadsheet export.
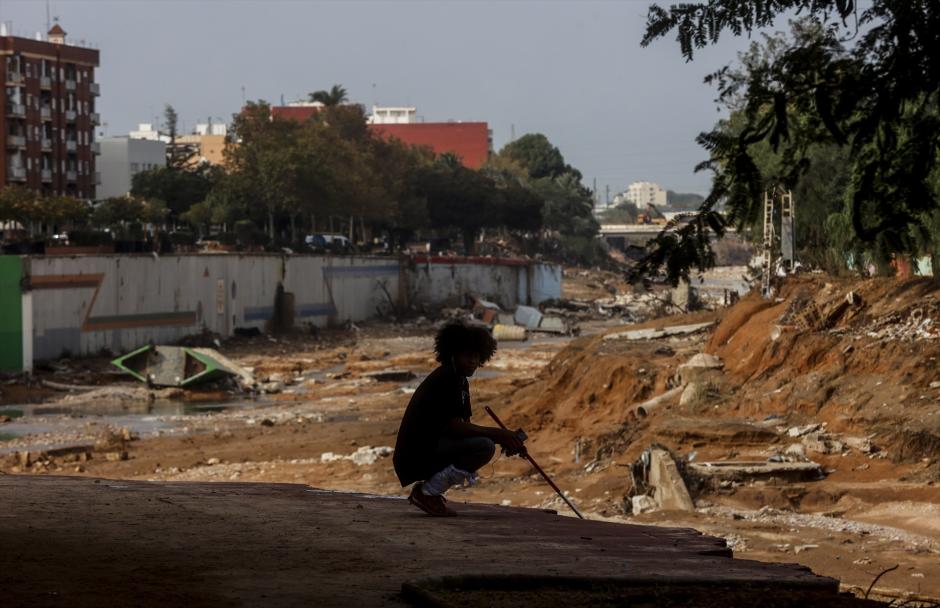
438	447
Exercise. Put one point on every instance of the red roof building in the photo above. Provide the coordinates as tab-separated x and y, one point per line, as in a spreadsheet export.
469	141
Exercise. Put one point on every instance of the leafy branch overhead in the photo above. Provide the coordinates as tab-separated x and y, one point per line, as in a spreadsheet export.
862	81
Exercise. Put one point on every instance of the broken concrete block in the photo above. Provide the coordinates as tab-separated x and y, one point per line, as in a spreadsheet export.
555	325
653	333
698	367
668	486
528	317
821	443
642	504
693	394
862	444
796	450
368	455
799	431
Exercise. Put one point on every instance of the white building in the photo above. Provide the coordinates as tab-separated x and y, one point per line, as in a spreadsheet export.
146	131
123	157
393	115
211	128
643	193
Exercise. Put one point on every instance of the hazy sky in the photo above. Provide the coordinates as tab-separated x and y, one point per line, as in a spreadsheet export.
574	71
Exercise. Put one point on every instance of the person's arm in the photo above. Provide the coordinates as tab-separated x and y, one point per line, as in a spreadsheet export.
505	438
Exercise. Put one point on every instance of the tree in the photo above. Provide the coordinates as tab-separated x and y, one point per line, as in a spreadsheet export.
178	155
17	204
178	188
124	215
536	155
683	200
334	97
461	198
876	100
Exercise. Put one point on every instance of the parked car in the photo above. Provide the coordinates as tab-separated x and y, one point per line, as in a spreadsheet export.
335	243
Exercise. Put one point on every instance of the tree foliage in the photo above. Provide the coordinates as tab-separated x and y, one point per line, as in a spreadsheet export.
334	97
863	81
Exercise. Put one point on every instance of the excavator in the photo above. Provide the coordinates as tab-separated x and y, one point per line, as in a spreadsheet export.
652	215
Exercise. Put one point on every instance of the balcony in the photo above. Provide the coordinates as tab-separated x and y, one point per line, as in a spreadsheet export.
97	178
70	85
16	109
45	113
16	141
45	82
15	79
70	115
95	88
16	173
46	175
95	118
95	148
71	176
46	144
71	145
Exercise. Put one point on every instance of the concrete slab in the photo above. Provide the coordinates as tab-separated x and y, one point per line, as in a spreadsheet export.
653	333
73	541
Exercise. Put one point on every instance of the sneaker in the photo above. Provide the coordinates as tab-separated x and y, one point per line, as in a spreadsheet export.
432	505
447	478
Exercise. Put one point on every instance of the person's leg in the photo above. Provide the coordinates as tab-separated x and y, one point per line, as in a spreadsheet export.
466	453
462	457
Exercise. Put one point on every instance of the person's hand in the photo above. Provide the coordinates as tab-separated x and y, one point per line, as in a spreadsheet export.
511	441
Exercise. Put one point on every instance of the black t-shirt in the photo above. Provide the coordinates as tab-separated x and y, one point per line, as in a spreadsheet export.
443	396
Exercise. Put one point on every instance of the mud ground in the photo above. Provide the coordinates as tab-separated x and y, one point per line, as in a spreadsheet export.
869	513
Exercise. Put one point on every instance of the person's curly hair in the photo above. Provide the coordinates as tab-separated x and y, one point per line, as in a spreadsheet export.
456	338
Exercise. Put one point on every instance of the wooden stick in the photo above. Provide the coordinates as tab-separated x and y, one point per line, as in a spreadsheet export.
544	475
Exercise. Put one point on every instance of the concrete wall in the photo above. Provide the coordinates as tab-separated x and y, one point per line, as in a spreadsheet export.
86	304
436	280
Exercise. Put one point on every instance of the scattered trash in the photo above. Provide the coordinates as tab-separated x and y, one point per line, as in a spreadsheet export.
509	333
528	317
178	366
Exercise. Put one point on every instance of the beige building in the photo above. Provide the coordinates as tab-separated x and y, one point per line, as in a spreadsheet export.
209	148
642	194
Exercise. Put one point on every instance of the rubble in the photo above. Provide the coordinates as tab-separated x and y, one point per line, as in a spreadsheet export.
658	483
391	375
364	455
731	470
658	332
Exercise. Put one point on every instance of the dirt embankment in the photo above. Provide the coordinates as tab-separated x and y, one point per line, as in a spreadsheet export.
863	364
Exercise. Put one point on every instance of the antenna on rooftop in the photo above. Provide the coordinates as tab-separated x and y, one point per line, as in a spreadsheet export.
48	24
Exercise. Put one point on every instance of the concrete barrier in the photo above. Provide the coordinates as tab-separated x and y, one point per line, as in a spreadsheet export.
85	304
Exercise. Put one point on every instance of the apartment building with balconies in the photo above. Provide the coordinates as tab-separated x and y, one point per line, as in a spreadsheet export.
49	115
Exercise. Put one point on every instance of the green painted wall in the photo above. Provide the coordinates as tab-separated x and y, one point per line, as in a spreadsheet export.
11	313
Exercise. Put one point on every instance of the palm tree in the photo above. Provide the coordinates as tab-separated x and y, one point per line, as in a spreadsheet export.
333	97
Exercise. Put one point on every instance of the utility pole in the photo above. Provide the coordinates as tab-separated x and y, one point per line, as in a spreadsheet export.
596	198
607	196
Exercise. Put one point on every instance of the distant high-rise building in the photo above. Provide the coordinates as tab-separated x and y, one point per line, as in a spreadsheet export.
49	118
645	193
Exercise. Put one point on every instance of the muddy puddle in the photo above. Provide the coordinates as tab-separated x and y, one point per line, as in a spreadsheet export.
45	426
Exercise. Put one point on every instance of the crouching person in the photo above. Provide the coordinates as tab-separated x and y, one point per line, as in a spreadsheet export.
438	447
